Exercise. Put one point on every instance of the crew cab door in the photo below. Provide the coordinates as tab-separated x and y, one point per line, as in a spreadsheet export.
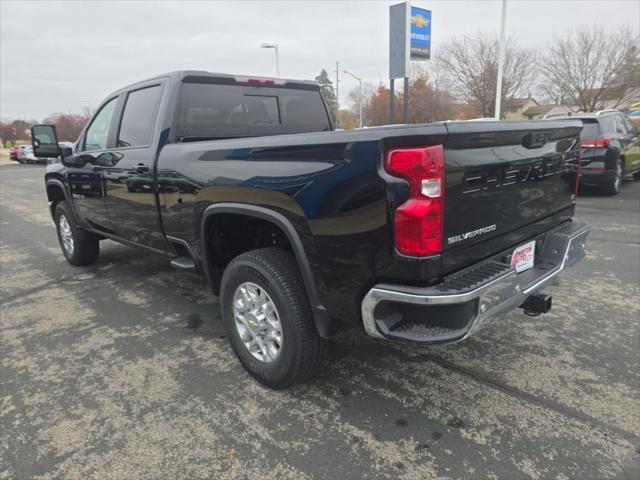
131	195
87	183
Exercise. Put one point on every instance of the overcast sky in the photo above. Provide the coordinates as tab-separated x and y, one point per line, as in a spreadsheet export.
63	56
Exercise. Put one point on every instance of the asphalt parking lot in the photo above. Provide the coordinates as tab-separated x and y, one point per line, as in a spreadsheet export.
120	370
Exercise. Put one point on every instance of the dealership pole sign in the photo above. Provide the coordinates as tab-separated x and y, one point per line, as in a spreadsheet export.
420	38
409	37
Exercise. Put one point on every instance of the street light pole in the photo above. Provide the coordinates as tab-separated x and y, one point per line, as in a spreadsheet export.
500	61
359	79
275	47
337	94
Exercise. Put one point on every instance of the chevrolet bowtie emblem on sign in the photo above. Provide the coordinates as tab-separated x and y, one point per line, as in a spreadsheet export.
419	21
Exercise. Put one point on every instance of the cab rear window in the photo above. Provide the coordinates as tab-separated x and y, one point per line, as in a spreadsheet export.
215	111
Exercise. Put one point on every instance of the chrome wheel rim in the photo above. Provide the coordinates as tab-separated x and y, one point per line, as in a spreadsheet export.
257	322
65	234
618	179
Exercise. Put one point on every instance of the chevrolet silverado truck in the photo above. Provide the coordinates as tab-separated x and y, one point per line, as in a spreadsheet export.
415	233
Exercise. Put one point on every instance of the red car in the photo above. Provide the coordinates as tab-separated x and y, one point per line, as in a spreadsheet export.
13	153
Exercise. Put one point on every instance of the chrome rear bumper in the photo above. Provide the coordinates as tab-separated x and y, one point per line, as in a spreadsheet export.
463	302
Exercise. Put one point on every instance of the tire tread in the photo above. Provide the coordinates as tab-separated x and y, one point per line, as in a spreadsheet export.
312	349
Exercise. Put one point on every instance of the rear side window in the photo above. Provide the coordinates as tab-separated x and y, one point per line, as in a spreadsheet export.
590	129
139	117
619	124
631	127
210	111
98	132
607	125
303	111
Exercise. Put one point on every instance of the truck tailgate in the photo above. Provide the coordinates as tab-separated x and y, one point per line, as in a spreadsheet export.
503	176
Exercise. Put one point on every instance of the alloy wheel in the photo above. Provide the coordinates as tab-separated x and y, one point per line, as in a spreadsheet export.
257	321
66	234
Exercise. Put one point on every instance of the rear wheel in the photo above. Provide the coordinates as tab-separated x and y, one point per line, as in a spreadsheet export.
612	187
78	246
268	320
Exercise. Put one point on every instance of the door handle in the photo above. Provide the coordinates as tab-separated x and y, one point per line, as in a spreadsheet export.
141	168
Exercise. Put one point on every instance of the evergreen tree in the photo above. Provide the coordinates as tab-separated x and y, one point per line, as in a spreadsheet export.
328	93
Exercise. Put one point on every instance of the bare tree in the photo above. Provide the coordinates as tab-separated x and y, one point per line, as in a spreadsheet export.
471	64
592	68
368	90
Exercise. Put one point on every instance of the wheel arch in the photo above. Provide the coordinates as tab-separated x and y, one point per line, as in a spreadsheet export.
56	193
321	317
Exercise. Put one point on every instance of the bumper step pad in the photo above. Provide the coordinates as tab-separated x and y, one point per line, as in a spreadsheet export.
464	301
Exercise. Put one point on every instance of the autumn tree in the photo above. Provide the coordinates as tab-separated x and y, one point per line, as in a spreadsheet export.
12	132
471	64
376	108
591	67
428	103
328	93
348	119
68	126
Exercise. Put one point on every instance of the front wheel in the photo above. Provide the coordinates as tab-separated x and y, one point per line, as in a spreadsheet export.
78	246
268	320
613	185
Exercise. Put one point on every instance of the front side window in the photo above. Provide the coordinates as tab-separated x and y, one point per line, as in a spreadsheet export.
98	131
139	117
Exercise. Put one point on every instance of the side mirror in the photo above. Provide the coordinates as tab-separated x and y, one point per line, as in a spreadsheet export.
74	161
44	141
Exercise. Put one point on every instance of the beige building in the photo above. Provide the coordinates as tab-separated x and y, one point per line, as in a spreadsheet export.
514	108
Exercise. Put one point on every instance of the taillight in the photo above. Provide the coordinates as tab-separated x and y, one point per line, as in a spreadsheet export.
595	143
418	222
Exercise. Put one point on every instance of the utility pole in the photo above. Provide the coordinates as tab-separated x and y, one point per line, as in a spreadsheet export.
337	93
359	79
500	61
405	111
392	102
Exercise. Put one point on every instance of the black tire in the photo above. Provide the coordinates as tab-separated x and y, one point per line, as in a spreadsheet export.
613	185
302	351
85	247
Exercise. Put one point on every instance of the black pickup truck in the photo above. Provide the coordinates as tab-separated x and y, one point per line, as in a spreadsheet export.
415	233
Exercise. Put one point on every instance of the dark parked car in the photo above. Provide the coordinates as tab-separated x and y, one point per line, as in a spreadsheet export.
418	234
610	150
